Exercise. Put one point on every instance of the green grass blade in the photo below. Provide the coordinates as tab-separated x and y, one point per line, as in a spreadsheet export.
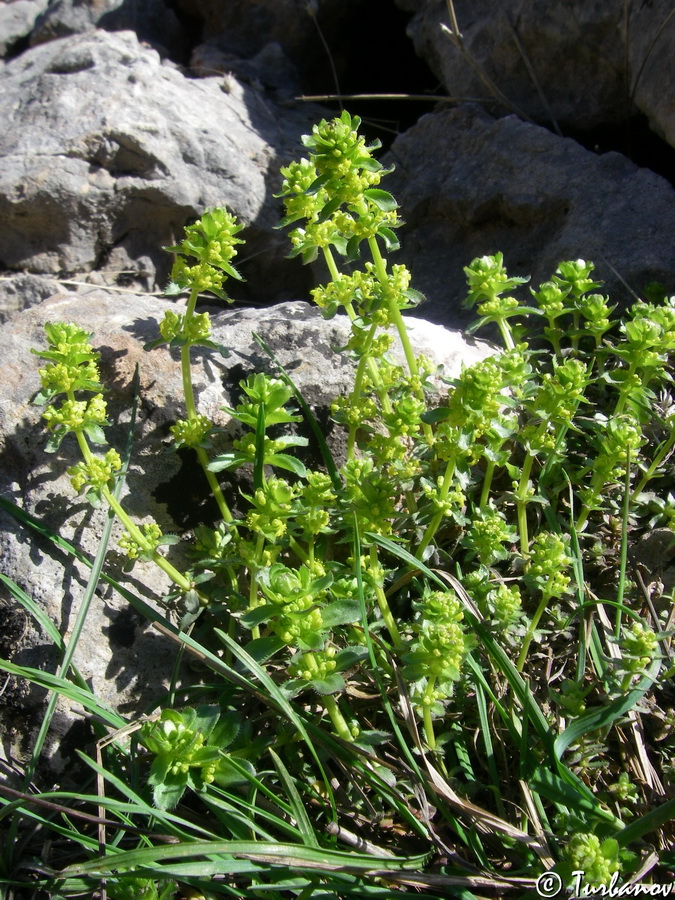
67	689
299	812
235	856
40	616
651	821
604	716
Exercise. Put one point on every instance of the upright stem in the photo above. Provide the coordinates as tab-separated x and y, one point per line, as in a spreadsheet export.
432	527
521	505
383	603
428	721
133	529
527	640
191	408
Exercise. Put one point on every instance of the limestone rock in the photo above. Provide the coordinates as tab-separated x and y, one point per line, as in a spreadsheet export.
557	63
106	154
17	18
127	663
244	28
151	20
18	292
470	185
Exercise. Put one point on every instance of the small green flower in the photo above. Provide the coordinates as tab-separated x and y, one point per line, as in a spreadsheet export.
76	415
321	664
549	564
272	506
488	280
597	860
97	473
639	647
134	550
487	535
191	432
574	276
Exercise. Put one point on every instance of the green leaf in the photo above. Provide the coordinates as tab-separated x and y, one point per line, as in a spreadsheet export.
350	656
226	730
331	684
289	463
259	615
168	792
382	199
227	461
261	649
206	719
341	612
229	772
95	434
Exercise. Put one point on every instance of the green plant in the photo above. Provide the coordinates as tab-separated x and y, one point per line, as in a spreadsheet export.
386	620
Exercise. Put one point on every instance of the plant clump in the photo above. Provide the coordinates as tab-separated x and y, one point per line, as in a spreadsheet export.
432	664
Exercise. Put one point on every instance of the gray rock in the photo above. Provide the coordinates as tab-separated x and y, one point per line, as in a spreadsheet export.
18	292
471	185
17	18
652	64
127	663
562	63
151	20
105	154
244	29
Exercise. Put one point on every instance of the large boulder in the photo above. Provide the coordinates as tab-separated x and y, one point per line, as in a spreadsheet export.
125	661
244	29
470	185
151	20
577	65
106	153
17	19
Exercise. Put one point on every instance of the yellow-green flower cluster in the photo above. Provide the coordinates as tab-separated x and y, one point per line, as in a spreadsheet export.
314	666
296	594
317	498
488	534
95	473
191	432
212	241
371	494
597	860
549	563
335	192
76	415
152	534
272	506
192	329
639	646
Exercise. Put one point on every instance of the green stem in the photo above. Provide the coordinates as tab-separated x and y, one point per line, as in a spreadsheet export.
623	563
133	529
428	721
383	603
434	524
662	453
358	388
373	370
253	586
401	328
487	482
507	335
341	727
543	603
521	505
191	408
